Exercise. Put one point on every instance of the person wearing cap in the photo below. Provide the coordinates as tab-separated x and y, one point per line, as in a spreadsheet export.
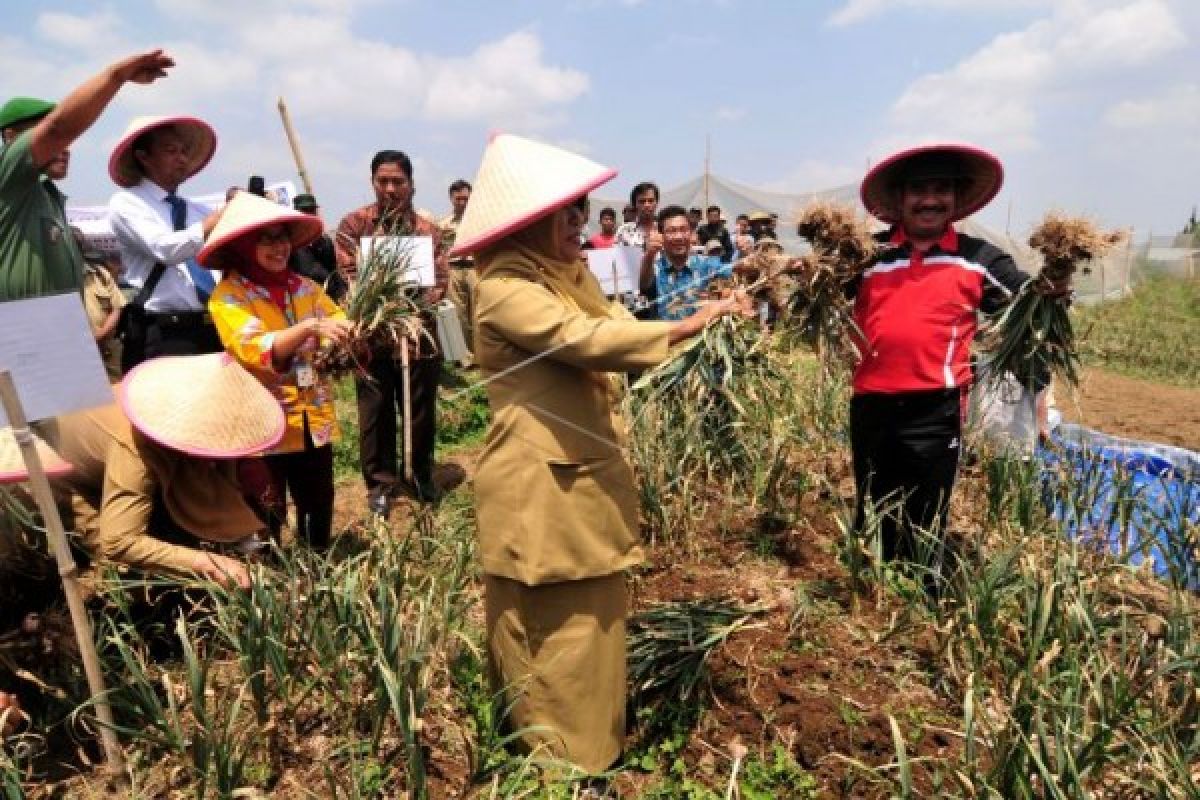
153	482
556	505
759	223
916	307
380	397
272	321
462	269
103	301
159	232
38	256
318	259
678	278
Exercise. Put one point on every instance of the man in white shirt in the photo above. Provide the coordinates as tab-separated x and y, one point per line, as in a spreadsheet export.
644	198
159	234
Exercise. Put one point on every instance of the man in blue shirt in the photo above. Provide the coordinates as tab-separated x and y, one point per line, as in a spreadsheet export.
679	278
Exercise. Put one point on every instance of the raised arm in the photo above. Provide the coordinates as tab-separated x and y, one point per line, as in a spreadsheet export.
78	110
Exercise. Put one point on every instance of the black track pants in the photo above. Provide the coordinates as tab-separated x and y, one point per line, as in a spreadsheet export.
906	447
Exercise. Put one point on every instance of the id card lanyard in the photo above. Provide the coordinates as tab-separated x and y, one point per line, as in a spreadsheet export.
306	376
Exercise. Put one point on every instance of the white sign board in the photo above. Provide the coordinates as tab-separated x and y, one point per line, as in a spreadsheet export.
46	345
617	268
93	220
413	253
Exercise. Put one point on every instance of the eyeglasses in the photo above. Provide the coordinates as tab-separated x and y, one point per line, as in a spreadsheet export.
274	236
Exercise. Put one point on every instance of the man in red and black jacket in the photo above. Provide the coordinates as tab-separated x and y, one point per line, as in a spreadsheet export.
916	307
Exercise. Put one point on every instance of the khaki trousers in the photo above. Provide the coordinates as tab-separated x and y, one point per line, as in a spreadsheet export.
559	652
462	293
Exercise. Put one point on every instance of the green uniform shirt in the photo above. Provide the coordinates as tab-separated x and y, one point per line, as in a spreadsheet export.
38	255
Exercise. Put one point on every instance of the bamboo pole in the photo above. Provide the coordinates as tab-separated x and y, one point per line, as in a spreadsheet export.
294	143
68	571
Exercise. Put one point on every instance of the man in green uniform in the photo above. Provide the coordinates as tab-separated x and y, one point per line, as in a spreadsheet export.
38	256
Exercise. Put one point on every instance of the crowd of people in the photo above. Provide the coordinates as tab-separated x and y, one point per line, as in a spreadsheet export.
221	414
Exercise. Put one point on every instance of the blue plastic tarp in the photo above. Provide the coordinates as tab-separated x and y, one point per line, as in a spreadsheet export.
1140	498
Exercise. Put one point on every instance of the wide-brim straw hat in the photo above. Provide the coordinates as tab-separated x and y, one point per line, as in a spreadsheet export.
520	181
206	406
247	213
12	464
198	136
981	174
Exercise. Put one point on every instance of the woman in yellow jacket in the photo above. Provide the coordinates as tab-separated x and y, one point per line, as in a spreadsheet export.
272	320
555	497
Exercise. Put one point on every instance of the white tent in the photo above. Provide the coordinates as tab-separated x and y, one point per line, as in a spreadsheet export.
737	198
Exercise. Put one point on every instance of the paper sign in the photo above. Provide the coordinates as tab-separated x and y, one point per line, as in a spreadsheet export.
413	253
616	268
46	345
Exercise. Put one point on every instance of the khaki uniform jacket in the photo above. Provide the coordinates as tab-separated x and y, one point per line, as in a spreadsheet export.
112	489
555	495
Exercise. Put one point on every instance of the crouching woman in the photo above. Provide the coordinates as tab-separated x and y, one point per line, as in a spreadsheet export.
153	484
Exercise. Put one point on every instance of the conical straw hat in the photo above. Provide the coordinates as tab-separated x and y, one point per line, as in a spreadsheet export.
198	135
12	465
983	171
202	405
520	181
247	213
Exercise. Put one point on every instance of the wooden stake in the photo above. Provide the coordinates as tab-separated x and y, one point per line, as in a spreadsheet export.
406	380
295	145
68	571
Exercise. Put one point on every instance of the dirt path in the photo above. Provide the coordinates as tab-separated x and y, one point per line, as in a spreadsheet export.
1136	408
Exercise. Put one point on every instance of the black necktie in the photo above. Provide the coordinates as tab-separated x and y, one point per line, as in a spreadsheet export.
202	279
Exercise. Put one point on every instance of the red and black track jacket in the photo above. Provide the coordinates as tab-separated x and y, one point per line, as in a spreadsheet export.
917	311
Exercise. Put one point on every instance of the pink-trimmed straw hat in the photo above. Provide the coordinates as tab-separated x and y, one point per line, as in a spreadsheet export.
981	174
247	213
12	464
206	406
520	181
198	136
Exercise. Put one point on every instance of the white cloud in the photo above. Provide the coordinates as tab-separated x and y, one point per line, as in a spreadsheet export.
90	32
502	79
1131	34
502	82
1177	108
855	11
995	95
730	113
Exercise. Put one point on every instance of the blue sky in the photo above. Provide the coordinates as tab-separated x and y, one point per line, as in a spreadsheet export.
1093	105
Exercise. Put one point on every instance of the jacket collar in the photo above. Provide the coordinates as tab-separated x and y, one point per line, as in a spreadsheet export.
947	244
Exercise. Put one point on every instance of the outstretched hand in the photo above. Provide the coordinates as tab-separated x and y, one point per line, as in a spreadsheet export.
144	67
223	569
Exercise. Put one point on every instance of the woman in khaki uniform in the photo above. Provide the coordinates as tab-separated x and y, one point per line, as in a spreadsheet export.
154	477
555	496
